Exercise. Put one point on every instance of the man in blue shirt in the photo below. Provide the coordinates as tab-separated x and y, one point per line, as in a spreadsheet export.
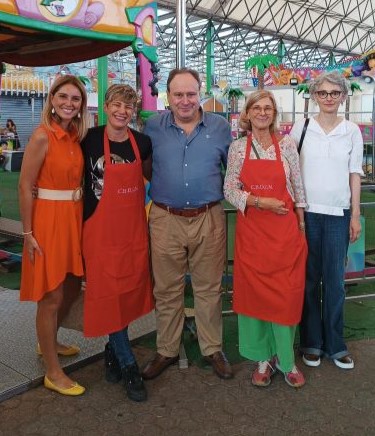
187	221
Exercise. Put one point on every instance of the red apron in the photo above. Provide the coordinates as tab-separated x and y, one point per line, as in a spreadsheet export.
270	250
115	250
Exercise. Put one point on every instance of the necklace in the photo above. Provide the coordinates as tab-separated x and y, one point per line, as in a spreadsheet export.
123	138
264	144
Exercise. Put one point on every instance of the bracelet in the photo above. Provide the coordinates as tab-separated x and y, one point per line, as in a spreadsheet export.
27	233
302	225
256	202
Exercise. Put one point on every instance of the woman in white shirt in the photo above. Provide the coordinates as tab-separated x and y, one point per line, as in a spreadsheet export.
331	165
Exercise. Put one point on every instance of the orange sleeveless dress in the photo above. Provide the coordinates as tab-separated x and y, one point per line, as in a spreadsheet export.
57	225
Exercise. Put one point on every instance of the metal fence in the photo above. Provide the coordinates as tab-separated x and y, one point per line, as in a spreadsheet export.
367	275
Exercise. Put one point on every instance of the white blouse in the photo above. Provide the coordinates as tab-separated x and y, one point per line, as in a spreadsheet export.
326	161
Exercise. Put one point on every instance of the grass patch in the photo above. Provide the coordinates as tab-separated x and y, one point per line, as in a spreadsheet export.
9	195
359	324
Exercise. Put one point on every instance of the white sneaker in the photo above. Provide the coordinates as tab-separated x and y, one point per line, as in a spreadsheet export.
311	359
345	362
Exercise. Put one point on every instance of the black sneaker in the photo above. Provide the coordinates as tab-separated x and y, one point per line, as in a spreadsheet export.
113	372
134	386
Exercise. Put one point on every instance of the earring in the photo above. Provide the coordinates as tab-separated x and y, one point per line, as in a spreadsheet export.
79	115
53	110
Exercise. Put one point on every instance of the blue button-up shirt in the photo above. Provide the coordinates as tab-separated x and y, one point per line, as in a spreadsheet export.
186	170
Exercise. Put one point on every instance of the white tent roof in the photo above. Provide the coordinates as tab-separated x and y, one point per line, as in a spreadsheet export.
313	32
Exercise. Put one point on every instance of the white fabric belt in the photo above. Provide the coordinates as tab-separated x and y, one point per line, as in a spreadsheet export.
57	194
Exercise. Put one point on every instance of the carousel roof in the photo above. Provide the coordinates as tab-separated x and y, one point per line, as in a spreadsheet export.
312	33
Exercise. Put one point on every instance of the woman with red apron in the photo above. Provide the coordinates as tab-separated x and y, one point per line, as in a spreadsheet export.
115	238
270	246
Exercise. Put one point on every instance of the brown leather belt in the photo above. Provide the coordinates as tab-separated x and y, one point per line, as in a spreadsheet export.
188	213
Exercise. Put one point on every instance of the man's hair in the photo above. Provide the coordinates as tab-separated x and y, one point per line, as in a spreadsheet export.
176	71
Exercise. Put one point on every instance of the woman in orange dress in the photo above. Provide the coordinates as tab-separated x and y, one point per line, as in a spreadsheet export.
52	223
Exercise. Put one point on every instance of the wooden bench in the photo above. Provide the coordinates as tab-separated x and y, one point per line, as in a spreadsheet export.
11	228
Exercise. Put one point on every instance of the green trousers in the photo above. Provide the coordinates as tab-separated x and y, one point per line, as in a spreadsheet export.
261	340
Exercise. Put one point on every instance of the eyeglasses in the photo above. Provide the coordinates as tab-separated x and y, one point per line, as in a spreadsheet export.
324	94
268	110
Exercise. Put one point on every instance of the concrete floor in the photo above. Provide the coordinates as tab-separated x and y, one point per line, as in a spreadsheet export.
20	367
188	402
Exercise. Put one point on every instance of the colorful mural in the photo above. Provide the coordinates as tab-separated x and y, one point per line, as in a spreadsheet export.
98	15
358	67
55	32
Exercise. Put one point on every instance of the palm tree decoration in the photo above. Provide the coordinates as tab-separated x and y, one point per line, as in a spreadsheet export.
233	95
354	86
85	80
261	62
304	88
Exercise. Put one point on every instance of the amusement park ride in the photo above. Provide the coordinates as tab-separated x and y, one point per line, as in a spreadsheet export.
54	32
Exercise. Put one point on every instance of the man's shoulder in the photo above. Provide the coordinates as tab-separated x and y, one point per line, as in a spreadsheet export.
157	119
217	123
215	117
139	136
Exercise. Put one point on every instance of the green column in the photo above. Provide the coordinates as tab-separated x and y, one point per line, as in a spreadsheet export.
210	59
102	88
331	60
281	50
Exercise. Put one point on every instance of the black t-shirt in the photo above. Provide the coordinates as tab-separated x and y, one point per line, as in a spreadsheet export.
93	154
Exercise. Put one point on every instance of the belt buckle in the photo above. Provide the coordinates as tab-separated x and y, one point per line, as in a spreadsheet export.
77	194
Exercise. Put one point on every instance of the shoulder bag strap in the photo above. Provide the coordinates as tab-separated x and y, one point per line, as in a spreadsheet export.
303	134
255	150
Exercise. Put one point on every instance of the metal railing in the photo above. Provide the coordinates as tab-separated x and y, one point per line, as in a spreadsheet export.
22	84
362	278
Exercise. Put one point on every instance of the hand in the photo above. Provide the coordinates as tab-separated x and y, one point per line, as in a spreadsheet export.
273	204
354	229
31	246
35	192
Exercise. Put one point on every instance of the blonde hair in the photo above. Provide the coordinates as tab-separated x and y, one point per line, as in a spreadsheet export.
80	122
124	93
253	98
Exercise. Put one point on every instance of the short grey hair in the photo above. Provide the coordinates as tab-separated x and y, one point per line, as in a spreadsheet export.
333	77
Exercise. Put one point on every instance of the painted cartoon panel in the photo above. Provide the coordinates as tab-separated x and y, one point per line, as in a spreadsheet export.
50	32
106	16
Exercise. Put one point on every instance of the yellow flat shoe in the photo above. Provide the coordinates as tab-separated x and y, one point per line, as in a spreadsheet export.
71	350
73	391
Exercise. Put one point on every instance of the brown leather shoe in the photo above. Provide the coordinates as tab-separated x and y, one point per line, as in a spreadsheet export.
157	365
220	364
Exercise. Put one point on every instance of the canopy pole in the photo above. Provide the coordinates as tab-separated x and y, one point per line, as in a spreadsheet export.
180	36
210	60
102	88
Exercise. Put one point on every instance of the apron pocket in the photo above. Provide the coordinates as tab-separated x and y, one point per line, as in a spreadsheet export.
118	262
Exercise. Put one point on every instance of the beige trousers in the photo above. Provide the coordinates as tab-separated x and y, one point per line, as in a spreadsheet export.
180	245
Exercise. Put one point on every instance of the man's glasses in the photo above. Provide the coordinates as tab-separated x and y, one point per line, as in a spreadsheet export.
268	110
324	94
